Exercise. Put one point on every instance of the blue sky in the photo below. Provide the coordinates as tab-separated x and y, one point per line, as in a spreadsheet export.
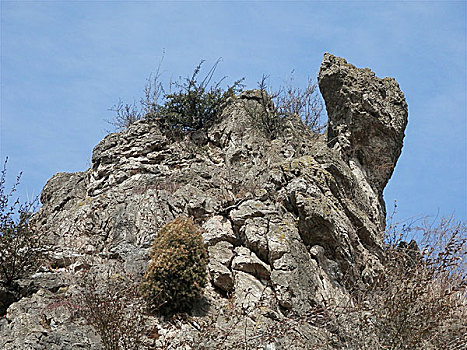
64	64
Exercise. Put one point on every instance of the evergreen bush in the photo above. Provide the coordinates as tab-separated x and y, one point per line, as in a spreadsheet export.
176	276
190	105
196	104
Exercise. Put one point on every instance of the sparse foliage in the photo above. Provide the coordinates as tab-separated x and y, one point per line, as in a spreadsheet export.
267	117
306	103
289	100
154	92
193	105
125	115
177	273
196	102
418	302
19	244
112	307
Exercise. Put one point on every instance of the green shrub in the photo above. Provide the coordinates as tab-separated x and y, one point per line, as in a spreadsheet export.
196	104
191	106
177	273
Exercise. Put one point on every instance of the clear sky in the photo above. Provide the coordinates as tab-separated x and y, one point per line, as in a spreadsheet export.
65	63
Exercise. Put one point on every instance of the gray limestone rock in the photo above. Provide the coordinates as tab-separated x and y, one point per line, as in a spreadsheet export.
247	261
249	209
283	220
367	118
216	229
43	322
220	258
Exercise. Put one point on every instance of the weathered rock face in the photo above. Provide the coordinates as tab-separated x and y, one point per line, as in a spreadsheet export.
288	223
367	118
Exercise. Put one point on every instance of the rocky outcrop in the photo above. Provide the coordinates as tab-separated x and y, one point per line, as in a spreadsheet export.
288	223
367	118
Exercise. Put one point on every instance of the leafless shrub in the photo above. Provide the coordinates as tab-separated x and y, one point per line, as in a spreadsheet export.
20	245
125	115
306	103
112	306
287	101
154	91
418	302
266	118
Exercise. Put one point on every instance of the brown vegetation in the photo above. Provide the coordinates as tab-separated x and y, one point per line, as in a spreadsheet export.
177	273
19	244
418	302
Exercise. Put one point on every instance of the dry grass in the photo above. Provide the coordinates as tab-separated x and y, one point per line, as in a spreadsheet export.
418	302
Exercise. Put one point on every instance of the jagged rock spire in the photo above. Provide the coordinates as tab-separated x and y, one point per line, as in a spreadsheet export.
367	118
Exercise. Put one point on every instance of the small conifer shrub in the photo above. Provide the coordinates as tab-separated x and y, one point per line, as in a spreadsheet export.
177	273
192	103
195	105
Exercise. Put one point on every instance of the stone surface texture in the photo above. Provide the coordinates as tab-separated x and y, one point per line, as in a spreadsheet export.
287	223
